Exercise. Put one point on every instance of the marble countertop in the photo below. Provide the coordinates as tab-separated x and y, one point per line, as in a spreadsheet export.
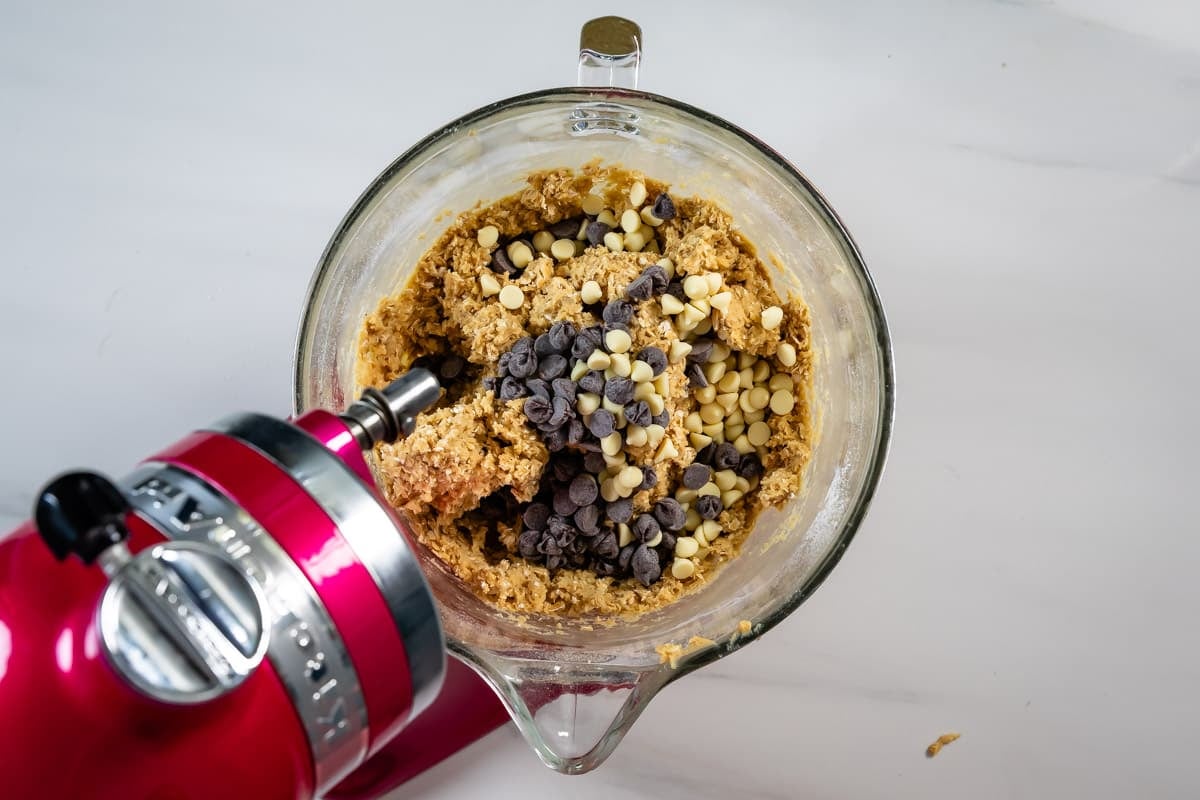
1024	180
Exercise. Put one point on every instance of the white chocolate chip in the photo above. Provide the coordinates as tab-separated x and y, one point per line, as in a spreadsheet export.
698	535
732	431
720	351
520	254
754	416
655	401
666	450
637	193
786	353
682	568
742	445
591	292
699	440
692	519
782	402
684	495
655	434
599	360
630	476
714	431
712	413
728	401
708	488
607	217
692	315
581	234
489	284
625	535
704	327
655	541
648	217
714	282
618	341
772	316
714	372
746	359
610	406
587	403
487	236
511	297
609	490
729	382
710	529
780	380
693	423
759	433
761	371
614	463
678	350
686	547
620	363
720	301
579	370
630	221
671	305
760	398
747	375
635	241
643	391
542	241
641	371
706	395
695	287
701	305
725	479
611	444
563	249
742	484
614	242
662	385
730	497
592	205
635	436
668	266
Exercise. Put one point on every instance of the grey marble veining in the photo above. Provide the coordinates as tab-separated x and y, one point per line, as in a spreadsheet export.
1024	180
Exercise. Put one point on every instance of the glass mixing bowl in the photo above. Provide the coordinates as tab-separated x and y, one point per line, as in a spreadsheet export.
574	688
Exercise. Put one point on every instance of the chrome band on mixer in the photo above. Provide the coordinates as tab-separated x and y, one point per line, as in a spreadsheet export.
305	648
369	531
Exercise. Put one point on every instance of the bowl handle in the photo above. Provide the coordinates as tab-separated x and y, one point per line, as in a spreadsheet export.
610	53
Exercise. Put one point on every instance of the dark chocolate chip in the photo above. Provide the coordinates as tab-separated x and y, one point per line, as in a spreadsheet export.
502	363
695	376
587	519
566	228
626	556
709	506
564	469
564	411
538	388
538	410
524	362
596	231
675	289
564	387
511	388
452	367
638	413
502	264
554	563
670	514
604	569
618	312
606	545
593	382
658	278
594	462
536	516
696	475
664	207
619	390
602	423
649	479
547	545
575	431
663	418
645	565
527	543
563	504
554	440
490	384
583	490
666	548
551	367
620	510
749	467
701	349
561	335
542	346
656	358
586	341
646	527
726	457
640	288
705	454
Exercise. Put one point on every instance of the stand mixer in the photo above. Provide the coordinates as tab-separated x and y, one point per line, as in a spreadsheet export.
240	616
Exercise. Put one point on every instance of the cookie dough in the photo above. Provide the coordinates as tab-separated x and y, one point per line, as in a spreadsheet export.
511	270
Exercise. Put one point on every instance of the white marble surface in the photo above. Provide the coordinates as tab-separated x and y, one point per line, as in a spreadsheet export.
1024	179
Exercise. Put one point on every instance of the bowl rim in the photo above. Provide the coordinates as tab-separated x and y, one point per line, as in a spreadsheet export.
883	342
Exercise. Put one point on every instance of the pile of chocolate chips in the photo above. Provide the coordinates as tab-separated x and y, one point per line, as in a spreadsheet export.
569	524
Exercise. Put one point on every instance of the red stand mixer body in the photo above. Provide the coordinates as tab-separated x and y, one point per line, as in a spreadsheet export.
258	627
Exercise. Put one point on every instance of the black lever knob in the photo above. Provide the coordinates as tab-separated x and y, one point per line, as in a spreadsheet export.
81	513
